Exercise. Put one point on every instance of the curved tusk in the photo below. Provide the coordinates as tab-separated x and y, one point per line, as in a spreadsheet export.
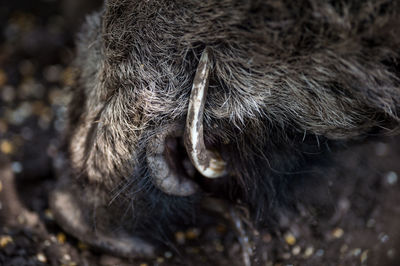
208	163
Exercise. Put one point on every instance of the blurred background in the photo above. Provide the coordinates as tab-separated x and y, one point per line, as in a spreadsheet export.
360	225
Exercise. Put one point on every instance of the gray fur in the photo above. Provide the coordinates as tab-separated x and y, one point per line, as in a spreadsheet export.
283	71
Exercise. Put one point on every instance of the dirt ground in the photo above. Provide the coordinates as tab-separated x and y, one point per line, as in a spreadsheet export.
36	48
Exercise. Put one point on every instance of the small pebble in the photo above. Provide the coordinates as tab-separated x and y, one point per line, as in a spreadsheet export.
219	247
320	253
290	239
391	253
266	238
8	94
371	223
53	239
337	233
160	260
391	178
286	255
52	73
26	68
344	248
364	256
41	257
16	167
3	126
168	254
356	252
383	237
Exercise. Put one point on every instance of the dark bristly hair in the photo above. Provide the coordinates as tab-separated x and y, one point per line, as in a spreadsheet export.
290	81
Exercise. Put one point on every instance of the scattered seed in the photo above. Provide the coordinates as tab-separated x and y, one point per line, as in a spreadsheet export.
160	260
82	246
337	233
3	77
192	233
6	147
1	186
290	239
53	239
41	257
61	238
68	77
219	247
5	240
296	250
49	214
144	264
180	237
308	252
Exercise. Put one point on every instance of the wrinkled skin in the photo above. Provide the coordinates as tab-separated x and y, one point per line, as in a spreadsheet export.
290	81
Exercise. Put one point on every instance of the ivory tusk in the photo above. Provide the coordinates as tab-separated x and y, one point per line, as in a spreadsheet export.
208	163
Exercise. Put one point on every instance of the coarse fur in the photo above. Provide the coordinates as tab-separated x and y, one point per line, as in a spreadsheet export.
290	81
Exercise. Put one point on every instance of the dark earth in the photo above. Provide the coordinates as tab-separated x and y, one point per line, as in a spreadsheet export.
358	225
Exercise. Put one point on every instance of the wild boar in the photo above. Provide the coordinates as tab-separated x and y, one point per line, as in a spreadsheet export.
177	101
